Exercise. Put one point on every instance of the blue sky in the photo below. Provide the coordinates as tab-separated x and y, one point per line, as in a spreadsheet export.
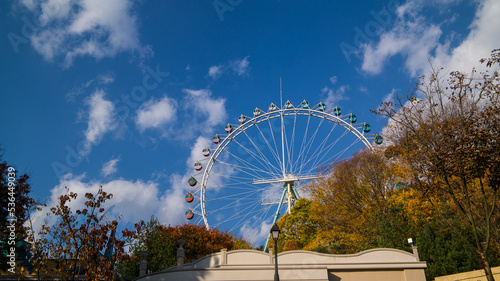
124	94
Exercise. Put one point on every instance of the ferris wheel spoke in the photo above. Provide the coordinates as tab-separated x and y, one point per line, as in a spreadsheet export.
280	163
334	158
263	162
290	148
273	152
237	214
239	198
246	169
261	219
233	205
308	143
321	147
302	146
259	152
324	151
318	152
247	214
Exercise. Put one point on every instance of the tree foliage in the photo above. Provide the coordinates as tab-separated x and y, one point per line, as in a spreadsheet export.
448	130
81	243
367	201
347	201
160	243
298	229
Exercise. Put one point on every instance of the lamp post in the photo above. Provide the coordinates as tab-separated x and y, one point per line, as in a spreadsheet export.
275	233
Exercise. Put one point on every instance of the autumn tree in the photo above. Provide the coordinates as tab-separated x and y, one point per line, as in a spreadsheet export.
82	242
160	243
448	130
298	228
346	201
15	204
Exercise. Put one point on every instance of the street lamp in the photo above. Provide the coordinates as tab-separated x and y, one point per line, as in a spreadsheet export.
275	233
410	241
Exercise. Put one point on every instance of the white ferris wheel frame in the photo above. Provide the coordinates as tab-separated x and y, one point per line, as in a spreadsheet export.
265	116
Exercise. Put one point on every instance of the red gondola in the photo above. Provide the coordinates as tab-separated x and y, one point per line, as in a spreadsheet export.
189	214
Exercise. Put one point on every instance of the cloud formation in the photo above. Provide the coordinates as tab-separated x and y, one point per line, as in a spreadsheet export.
68	29
101	79
211	111
332	95
101	119
143	196
109	167
239	67
156	114
421	43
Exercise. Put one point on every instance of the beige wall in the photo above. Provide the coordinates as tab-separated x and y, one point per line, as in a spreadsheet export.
476	275
371	265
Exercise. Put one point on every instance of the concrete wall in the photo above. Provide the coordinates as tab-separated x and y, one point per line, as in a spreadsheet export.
371	265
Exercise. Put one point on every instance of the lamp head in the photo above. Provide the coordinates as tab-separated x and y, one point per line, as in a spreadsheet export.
275	232
410	241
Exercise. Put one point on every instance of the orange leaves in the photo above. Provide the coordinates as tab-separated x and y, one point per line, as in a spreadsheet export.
160	243
346	203
82	243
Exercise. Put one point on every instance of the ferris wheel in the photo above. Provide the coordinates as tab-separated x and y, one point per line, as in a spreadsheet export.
256	170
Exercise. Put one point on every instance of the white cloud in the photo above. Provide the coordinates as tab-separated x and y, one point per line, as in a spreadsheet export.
255	235
390	96
76	91
215	71
413	38
154	114
72	28
481	40
332	96
238	67
419	41
110	167
107	78
135	200
200	102
334	80
195	113
101	120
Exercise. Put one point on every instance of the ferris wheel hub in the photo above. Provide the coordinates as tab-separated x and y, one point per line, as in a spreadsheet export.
287	179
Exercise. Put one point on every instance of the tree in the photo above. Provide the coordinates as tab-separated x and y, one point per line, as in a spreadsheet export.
15	204
346	201
449	133
444	249
80	243
298	229
160	243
